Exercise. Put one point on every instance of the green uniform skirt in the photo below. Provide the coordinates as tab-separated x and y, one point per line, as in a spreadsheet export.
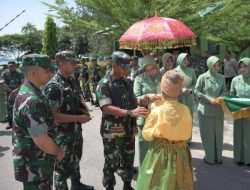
167	166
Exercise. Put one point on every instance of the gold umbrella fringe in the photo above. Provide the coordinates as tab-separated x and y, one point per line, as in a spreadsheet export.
240	114
157	44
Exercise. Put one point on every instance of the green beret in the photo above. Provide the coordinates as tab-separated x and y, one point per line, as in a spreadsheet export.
143	62
40	60
68	56
122	59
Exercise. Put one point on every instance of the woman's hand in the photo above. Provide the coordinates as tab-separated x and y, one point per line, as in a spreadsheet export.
214	101
152	97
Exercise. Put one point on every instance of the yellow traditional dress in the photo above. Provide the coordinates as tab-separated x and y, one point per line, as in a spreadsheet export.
168	163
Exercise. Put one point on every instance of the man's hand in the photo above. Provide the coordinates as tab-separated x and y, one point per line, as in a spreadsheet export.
83	118
60	154
139	112
186	91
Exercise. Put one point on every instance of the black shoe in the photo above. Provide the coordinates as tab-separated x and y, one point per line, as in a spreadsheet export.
240	163
92	102
8	127
127	186
81	186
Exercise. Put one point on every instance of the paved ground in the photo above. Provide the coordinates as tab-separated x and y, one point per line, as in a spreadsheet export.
227	176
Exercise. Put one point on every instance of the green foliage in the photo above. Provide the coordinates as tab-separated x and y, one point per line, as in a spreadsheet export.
50	43
16	44
230	25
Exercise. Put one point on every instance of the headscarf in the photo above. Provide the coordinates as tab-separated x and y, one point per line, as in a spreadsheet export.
165	57
148	60
211	61
180	59
246	61
171	84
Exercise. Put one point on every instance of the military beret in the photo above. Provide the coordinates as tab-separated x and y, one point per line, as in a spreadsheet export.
40	60
68	56
122	59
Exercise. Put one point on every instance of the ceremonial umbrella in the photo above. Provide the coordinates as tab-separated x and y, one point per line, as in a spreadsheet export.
157	33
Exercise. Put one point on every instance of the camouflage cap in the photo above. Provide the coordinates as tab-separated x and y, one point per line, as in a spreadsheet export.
68	56
11	63
122	59
40	60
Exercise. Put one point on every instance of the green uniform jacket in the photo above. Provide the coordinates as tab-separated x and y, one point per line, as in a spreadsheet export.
143	85
31	117
207	87
240	87
188	72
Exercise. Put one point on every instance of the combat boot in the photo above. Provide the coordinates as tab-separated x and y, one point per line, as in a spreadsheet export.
127	186
110	187
77	185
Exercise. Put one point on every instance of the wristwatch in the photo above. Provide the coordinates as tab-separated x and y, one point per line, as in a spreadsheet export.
129	113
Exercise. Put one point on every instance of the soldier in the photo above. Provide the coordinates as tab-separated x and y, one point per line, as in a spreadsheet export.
68	108
12	82
109	65
118	126
34	151
96	76
198	62
85	80
136	70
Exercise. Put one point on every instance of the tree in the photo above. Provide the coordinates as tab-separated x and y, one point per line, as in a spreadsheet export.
50	43
99	14
16	44
230	26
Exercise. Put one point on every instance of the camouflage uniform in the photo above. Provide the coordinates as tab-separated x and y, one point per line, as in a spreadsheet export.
13	80
65	94
96	76
117	132
108	69
32	117
85	80
198	63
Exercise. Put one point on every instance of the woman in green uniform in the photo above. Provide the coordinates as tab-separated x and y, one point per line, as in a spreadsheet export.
168	63
146	84
210	86
240	87
2	98
186	96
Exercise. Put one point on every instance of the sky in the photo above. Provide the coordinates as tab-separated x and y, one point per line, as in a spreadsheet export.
35	13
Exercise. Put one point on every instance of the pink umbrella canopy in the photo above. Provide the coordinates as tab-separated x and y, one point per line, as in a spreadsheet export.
157	33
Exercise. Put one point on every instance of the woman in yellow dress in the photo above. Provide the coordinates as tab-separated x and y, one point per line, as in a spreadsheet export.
168	164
